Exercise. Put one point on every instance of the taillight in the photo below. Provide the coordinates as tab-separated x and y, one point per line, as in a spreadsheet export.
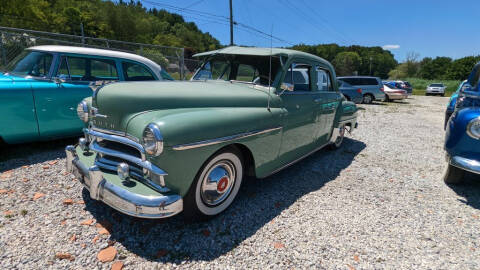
359	90
381	89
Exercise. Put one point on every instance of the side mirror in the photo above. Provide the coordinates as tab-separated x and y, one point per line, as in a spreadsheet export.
286	87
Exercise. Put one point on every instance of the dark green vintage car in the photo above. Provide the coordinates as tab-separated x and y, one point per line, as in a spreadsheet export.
153	150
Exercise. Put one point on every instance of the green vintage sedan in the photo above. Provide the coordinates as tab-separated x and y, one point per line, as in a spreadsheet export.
41	87
153	150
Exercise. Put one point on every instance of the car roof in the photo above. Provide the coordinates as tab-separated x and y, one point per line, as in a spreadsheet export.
359	77
100	52
238	50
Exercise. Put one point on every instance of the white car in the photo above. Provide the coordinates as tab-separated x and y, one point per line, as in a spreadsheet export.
436	89
394	93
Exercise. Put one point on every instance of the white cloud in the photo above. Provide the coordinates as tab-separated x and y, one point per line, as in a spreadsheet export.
391	47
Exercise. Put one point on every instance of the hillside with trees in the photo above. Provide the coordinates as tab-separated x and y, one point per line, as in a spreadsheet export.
355	59
126	21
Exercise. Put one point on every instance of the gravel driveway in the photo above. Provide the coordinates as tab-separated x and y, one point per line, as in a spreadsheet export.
378	202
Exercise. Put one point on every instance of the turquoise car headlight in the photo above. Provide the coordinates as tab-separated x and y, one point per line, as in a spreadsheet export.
82	111
473	128
152	140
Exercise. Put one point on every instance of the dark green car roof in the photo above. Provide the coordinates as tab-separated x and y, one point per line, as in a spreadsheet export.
236	50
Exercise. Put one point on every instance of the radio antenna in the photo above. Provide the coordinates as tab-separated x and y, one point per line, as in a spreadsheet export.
270	70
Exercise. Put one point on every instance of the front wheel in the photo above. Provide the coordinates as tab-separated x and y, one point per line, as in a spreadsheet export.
338	142
215	187
453	175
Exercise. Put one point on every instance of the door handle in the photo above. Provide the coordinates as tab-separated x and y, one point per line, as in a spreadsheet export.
317	100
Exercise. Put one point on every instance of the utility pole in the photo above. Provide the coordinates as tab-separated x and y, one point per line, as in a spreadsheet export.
231	24
371	65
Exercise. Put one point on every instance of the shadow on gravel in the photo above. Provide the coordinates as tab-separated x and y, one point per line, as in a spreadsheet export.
17	155
469	190
259	201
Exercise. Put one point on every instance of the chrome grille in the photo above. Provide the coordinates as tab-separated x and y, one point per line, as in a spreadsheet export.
113	149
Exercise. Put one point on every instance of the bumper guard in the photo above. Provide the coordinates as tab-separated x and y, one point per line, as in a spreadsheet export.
127	202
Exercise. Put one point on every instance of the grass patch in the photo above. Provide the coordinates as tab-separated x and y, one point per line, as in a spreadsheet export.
420	85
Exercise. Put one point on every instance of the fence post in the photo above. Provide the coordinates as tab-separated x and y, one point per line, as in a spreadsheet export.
4	54
182	64
83	34
141	50
106	42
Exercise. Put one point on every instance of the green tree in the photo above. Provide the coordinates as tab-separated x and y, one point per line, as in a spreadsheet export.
347	63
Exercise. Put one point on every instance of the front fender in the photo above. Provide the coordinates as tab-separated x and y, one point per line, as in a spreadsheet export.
187	126
457	141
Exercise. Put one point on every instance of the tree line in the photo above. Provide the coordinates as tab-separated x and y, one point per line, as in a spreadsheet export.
434	68
354	60
126	21
131	21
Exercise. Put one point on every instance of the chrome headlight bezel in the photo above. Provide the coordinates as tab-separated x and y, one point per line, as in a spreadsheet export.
473	128
82	111
152	140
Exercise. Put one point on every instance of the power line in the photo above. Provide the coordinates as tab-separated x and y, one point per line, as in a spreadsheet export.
214	18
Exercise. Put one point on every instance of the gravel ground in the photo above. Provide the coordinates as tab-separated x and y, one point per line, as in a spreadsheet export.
377	203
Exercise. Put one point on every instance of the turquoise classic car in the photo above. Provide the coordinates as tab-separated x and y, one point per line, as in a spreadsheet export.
40	89
187	146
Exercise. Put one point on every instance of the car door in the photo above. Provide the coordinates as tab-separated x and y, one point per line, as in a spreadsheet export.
56	104
299	121
328	99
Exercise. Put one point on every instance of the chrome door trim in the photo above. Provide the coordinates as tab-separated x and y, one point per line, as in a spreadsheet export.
180	147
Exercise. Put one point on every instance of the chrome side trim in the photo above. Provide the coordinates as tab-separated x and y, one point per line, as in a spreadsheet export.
297	160
466	164
94	146
181	147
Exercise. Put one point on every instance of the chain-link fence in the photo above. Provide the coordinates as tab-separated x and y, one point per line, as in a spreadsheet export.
14	40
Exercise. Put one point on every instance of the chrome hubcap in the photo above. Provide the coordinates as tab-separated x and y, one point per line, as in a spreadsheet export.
218	183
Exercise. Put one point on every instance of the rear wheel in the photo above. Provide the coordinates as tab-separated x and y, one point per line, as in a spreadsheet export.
367	99
387	99
215	187
453	175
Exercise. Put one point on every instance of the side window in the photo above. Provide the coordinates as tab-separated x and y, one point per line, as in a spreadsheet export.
323	80
299	76
136	72
87	69
102	69
246	73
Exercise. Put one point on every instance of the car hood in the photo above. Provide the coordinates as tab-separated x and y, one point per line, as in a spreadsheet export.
118	103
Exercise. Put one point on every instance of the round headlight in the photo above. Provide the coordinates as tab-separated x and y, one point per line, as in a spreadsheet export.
152	140
82	111
473	128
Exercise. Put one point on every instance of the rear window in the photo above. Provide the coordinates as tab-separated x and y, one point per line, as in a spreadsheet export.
360	81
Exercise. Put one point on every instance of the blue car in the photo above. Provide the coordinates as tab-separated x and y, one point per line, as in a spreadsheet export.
462	140
351	93
452	101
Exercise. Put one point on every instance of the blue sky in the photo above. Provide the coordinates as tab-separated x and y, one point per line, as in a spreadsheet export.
427	27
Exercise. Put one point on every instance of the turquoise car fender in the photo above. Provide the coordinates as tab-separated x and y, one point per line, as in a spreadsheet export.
193	135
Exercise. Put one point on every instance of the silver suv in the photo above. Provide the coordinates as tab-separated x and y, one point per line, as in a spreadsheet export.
372	87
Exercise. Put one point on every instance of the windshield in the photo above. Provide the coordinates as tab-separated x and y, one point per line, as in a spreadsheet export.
436	85
239	68
31	63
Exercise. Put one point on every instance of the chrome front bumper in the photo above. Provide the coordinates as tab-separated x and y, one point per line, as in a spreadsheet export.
121	199
466	164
